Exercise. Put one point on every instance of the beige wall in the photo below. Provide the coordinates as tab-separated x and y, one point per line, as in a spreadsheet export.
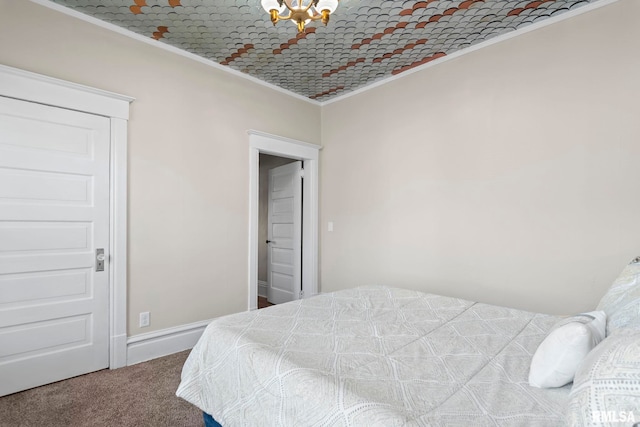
508	175
188	156
267	163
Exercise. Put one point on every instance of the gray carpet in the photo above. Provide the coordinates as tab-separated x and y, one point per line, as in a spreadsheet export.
138	395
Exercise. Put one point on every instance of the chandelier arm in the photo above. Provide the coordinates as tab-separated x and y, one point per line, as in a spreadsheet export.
284	17
287	3
311	3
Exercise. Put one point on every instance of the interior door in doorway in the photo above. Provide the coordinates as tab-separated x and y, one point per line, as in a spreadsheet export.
284	263
54	216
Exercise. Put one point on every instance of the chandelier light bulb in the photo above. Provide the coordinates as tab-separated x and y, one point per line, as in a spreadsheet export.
330	5
269	5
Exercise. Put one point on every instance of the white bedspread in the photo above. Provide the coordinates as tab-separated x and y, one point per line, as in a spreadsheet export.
372	356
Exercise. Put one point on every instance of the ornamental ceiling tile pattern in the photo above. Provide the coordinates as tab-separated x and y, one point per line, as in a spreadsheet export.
364	42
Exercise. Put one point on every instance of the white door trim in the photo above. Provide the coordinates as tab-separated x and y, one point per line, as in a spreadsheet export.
28	86
260	142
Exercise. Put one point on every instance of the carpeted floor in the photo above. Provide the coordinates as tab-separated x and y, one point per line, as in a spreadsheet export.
138	395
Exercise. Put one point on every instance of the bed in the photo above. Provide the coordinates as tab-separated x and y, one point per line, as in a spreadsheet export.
374	356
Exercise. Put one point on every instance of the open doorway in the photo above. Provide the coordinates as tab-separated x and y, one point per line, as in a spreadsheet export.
276	236
307	154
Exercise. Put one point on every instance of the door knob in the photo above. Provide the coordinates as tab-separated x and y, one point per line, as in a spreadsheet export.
100	259
269	241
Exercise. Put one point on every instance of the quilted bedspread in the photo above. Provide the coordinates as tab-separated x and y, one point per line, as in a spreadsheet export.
373	356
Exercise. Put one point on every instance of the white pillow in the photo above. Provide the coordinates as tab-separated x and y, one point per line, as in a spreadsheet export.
607	385
622	300
558	357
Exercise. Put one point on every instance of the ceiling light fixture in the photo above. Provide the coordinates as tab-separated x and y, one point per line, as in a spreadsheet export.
301	12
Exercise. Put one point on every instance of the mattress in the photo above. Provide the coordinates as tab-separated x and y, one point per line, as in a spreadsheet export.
373	356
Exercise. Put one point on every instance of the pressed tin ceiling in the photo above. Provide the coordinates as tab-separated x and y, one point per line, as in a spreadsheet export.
365	41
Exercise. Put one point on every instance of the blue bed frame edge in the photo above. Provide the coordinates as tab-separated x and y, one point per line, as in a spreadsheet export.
209	421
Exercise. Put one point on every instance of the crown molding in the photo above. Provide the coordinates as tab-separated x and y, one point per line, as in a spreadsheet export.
148	40
499	39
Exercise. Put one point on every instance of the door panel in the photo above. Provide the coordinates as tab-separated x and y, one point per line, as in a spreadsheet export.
45	335
37	288
54	213
285	232
39	236
45	187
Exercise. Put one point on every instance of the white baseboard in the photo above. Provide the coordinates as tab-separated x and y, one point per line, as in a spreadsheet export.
143	347
262	288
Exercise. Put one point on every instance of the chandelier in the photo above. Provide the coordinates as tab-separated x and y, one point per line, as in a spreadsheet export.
301	12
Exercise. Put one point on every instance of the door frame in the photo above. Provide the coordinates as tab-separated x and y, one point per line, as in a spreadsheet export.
261	142
32	87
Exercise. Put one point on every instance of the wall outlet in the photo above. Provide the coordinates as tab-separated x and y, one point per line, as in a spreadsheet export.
144	319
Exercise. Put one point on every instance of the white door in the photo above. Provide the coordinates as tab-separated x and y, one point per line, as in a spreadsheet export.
54	214
284	262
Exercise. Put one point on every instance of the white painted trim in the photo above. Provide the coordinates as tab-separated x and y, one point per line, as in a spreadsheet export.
148	40
262	288
118	237
499	39
20	84
532	27
260	142
24	85
143	347
254	209
277	138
